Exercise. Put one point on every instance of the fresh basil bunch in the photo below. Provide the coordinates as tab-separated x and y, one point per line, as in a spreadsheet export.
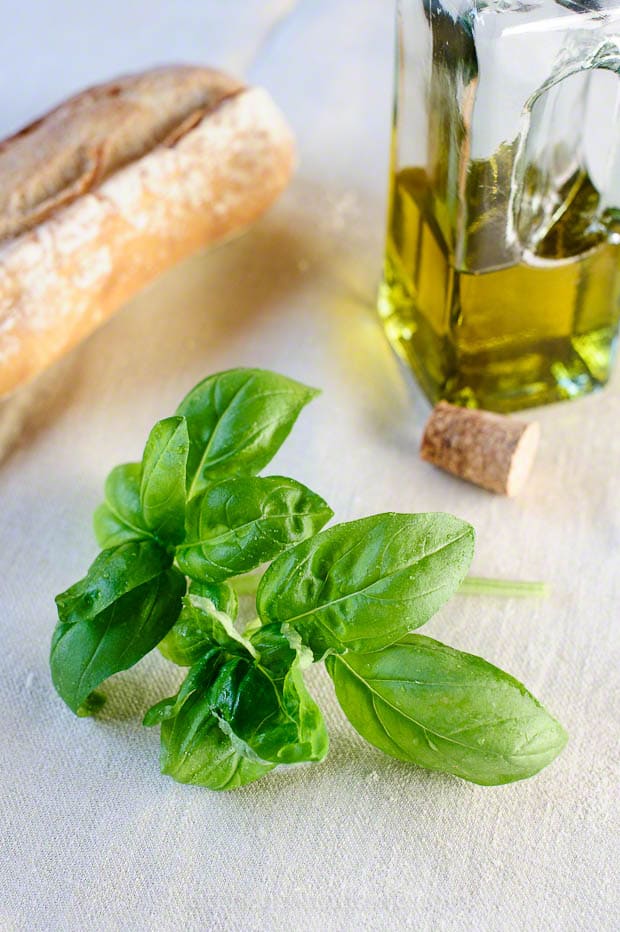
180	528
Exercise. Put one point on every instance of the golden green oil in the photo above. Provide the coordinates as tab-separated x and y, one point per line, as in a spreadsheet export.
520	335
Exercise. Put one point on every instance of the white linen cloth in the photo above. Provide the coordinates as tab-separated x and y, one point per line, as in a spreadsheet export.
93	838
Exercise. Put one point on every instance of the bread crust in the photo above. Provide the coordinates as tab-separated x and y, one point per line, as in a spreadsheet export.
206	169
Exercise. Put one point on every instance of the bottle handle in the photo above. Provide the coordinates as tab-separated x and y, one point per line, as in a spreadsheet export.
549	168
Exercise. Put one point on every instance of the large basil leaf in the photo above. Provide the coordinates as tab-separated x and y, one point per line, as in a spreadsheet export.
237	421
202	625
162	487
363	585
240	523
120	518
421	701
128	601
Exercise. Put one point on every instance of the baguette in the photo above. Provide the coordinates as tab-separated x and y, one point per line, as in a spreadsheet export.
117	184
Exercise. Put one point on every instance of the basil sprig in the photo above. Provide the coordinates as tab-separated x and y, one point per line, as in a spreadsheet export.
180	528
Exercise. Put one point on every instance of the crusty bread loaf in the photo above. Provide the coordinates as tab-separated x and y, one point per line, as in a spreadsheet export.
116	185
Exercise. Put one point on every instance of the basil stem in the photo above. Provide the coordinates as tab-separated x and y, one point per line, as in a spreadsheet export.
472	585
504	588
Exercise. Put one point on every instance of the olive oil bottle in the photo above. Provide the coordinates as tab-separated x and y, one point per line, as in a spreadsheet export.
504	339
501	284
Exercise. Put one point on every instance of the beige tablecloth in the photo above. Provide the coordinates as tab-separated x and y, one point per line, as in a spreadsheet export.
93	838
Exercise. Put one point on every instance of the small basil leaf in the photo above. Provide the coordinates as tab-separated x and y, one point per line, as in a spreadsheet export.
199	627
237	421
275	650
363	585
120	518
445	710
194	749
110	530
162	487
193	632
266	705
200	676
159	712
109	620
221	594
240	523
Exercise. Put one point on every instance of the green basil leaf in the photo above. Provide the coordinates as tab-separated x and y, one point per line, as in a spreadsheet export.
199	677
114	573
192	633
240	523
201	626
442	709
109	620
162	488
222	594
237	421
160	712
296	730
195	749
363	585
147	500
259	702
266	705
120	518
275	650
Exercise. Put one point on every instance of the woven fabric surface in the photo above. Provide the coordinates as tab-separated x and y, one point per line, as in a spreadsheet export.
93	837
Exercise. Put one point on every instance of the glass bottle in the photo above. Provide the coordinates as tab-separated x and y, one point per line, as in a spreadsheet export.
501	285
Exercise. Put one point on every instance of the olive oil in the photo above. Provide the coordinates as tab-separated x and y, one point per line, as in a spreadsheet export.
533	329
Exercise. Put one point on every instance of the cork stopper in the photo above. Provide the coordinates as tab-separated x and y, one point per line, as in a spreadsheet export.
490	450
